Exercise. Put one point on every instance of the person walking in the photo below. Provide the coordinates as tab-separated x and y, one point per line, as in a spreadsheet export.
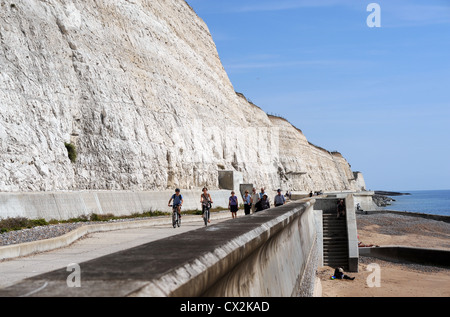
341	208
247	202
233	205
261	194
279	199
255	199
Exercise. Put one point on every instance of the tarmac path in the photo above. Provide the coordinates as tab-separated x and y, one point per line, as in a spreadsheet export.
92	246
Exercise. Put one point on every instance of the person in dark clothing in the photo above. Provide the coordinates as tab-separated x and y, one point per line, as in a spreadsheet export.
247	203
233	205
339	274
340	208
279	199
262	204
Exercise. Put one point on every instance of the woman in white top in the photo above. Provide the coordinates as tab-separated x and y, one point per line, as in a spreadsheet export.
255	199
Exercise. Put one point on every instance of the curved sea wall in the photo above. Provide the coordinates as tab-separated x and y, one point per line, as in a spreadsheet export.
271	253
137	87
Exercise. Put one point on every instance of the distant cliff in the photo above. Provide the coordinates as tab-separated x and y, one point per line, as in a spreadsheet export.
138	89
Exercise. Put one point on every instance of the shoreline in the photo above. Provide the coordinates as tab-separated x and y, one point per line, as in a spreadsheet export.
409	214
389	193
384	201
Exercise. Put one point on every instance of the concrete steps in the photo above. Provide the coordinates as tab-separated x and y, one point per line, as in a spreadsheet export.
335	241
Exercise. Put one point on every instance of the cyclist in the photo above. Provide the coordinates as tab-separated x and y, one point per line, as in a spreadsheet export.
206	201
177	201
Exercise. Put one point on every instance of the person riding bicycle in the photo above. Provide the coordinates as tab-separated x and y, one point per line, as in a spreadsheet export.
206	201
177	201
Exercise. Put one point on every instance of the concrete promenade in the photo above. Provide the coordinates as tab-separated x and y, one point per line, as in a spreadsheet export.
112	238
218	260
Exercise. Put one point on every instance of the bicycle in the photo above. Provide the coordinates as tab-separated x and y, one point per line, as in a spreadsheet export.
206	213
176	218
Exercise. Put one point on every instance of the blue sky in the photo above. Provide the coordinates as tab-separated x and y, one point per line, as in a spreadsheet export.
380	96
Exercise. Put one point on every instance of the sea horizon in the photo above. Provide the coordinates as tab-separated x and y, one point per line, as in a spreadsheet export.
408	191
427	201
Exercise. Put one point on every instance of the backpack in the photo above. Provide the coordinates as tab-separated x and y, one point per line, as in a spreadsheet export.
177	199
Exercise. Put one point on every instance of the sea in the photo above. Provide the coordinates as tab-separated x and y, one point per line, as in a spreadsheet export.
436	202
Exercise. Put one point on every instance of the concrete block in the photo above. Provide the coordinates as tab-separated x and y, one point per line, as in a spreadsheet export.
230	180
11	205
119	203
244	187
69	205
91	202
38	205
318	217
397	253
352	232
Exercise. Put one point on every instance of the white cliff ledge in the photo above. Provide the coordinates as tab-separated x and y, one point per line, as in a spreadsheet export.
139	89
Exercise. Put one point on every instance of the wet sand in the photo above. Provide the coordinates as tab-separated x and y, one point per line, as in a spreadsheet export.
396	279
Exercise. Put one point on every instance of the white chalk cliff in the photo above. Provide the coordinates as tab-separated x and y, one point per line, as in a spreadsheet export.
138	87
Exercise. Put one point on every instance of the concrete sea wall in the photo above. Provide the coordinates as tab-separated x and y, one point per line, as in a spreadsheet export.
397	253
284	265
270	253
66	205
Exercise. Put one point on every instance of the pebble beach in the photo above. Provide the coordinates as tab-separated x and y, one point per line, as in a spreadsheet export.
36	233
49	231
396	229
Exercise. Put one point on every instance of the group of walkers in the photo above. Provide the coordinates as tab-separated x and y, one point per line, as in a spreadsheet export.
253	202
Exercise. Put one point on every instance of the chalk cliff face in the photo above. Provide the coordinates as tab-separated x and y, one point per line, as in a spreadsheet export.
138	87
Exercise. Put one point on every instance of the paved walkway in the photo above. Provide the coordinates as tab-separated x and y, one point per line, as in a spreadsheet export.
92	246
